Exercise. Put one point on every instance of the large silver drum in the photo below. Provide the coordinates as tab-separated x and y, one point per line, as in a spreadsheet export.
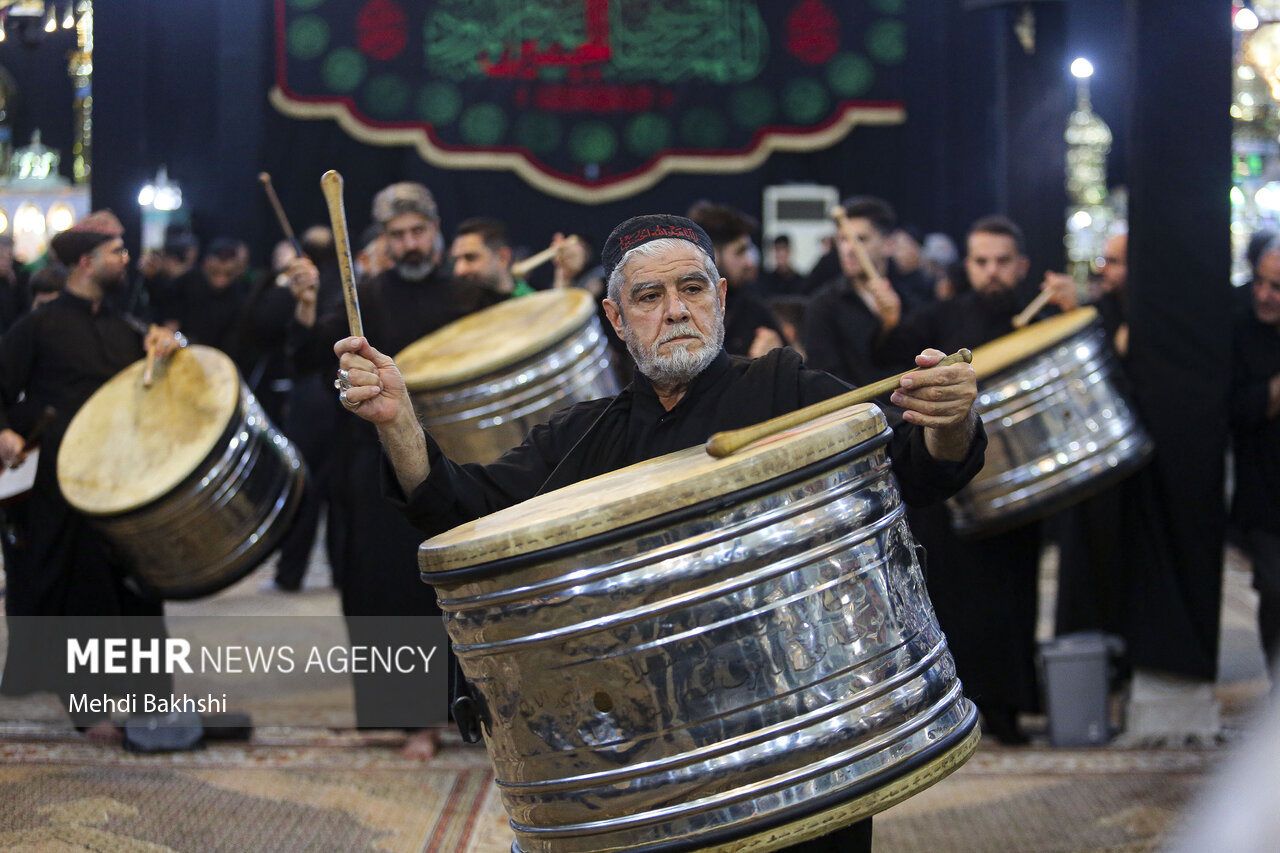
693	653
480	383
187	478
1059	426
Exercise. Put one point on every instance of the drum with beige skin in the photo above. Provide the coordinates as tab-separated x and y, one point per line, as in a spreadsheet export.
695	653
481	382
1059	425
187	478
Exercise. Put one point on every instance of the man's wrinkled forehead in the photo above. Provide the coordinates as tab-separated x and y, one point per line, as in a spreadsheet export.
677	264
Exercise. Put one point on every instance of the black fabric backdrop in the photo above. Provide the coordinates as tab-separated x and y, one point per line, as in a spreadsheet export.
185	85
1179	254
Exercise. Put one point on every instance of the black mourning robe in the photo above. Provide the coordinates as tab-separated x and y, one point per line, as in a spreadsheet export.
744	313
599	436
983	590
379	548
58	355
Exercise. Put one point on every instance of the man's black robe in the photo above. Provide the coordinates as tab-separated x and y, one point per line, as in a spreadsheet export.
983	590
378	571
603	435
59	566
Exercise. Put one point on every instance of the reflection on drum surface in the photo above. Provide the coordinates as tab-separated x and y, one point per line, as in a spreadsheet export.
717	671
1059	428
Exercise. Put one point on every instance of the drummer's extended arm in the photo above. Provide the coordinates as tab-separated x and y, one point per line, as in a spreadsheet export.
378	395
406	447
940	399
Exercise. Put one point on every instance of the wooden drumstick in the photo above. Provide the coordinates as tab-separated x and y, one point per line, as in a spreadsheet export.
331	186
842	219
151	363
731	441
520	269
276	206
1024	316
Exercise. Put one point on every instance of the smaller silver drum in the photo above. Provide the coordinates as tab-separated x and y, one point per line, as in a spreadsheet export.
480	383
187	478
1058	424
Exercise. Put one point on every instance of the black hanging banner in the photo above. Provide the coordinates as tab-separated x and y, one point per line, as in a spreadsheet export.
593	100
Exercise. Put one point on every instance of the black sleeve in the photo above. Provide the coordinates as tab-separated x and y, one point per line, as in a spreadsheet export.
164	295
822	349
925	481
454	493
17	355
312	348
1250	389
917	332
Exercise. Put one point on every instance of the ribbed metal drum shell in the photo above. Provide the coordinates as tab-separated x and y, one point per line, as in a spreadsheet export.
477	421
223	520
727	669
1059	428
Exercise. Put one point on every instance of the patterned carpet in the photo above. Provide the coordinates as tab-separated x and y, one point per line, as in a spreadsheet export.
312	791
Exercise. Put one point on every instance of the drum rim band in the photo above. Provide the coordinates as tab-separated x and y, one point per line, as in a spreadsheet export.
962	742
505	565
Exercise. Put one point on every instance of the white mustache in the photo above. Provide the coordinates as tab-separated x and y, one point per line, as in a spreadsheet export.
681	331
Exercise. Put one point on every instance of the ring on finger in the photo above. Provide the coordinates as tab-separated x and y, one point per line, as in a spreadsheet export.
343	382
342	398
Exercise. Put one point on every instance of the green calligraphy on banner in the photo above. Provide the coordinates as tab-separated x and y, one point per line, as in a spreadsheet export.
593	99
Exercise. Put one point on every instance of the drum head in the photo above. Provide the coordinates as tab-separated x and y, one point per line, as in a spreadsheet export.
494	338
991	358
130	445
643	491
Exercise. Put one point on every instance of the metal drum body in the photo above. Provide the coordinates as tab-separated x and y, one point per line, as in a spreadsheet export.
186	530
481	383
680	670
1058	424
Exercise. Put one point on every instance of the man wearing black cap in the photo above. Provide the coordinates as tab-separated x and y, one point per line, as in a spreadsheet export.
666	300
56	358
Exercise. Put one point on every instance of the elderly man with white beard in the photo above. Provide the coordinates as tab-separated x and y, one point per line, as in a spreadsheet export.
666	301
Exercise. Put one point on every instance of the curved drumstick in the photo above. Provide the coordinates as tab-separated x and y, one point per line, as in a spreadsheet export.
731	441
275	205
331	186
520	269
842	218
1024	316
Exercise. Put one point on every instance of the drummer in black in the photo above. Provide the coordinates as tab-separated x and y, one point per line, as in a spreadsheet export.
666	300
60	567
984	591
400	305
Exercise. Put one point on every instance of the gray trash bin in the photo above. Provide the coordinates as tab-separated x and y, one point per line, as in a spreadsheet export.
1076	671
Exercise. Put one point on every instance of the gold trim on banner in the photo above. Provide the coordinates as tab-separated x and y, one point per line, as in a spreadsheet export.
667	164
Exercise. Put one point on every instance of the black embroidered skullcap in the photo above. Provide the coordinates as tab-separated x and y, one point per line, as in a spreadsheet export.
639	230
86	235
